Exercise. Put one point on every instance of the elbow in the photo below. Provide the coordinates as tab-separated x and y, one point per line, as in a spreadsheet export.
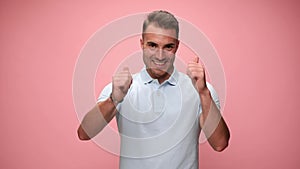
221	147
223	143
83	138
82	134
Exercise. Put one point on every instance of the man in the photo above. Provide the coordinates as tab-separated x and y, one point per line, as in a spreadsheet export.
159	110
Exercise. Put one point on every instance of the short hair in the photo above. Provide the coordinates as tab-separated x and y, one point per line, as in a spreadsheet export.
162	19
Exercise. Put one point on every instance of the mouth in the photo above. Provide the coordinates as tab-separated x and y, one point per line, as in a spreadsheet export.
159	64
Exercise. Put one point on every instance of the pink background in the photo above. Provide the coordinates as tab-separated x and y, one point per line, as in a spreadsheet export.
257	41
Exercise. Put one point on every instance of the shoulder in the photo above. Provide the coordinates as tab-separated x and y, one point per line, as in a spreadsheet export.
184	80
105	92
183	76
186	84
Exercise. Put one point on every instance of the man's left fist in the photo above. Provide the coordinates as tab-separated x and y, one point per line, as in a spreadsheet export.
196	72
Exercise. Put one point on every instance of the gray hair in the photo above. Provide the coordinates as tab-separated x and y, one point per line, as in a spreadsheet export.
162	19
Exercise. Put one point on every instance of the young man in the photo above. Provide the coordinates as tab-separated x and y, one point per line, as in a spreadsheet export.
159	110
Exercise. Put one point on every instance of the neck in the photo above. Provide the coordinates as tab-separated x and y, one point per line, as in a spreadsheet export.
161	78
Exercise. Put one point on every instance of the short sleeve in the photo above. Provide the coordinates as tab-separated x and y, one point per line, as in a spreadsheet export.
214	95
105	93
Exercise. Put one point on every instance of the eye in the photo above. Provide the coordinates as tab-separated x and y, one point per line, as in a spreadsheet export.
169	47
151	45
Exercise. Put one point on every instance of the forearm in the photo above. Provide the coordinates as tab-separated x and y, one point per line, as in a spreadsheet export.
212	122
96	119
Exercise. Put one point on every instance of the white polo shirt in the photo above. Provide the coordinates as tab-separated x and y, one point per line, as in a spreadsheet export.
159	123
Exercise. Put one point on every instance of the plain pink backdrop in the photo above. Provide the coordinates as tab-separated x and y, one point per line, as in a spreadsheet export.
258	44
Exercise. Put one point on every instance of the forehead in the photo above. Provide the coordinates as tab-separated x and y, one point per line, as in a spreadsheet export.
155	33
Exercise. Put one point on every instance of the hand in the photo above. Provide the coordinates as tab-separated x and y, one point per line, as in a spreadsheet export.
120	84
196	72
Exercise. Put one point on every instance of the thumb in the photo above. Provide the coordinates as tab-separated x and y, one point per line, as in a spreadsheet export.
196	59
129	74
126	69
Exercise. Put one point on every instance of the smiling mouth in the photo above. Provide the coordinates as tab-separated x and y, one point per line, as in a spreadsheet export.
159	63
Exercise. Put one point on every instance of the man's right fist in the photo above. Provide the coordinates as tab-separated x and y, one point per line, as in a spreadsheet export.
120	84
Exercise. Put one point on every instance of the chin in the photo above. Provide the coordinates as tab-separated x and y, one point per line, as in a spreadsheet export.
159	73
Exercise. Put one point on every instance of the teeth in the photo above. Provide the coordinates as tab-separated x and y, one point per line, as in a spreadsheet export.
159	63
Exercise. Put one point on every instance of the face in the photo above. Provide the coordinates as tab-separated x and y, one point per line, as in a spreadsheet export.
159	47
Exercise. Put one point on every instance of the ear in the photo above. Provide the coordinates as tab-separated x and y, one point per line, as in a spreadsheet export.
142	43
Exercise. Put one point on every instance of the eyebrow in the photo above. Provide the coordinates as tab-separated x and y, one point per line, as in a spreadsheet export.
170	45
166	45
152	43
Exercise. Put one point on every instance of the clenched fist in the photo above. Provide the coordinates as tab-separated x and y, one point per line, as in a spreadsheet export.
120	84
196	72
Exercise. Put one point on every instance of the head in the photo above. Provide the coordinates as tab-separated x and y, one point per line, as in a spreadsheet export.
160	43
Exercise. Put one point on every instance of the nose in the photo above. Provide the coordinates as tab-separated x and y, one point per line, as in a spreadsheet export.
160	54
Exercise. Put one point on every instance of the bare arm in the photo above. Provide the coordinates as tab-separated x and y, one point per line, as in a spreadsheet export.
97	118
211	120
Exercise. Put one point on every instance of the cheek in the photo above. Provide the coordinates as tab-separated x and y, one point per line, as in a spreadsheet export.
170	55
148	53
147	57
